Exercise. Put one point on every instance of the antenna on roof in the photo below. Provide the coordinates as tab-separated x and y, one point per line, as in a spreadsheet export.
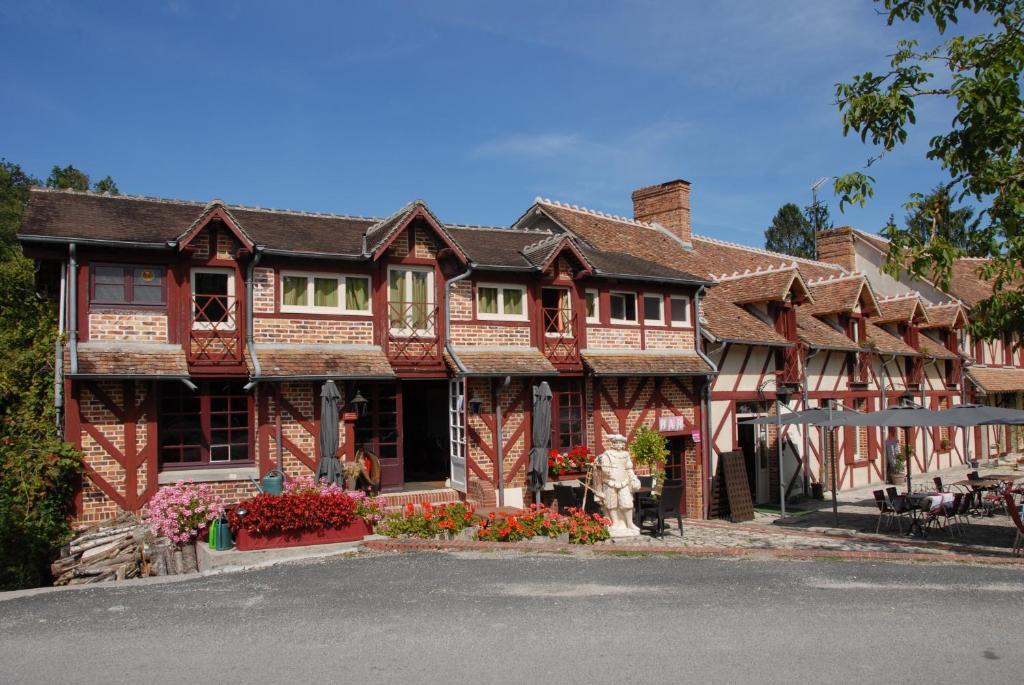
815	214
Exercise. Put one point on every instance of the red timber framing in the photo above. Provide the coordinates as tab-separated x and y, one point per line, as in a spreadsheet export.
131	456
520	404
610	394
269	424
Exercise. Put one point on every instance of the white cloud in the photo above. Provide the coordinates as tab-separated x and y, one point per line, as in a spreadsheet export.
539	145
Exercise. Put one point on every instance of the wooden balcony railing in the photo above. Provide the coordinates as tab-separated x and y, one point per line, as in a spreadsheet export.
412	332
215	337
560	344
860	369
915	370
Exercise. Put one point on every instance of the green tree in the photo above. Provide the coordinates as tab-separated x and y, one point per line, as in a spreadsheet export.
935	216
106	185
818	216
38	471
981	153
68	178
790	233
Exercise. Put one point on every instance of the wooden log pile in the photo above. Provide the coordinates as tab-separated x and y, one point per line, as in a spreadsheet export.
118	549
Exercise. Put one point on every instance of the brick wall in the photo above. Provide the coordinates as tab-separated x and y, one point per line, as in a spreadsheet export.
311	331
263	293
657	339
128	326
603	338
484	335
201	245
667	204
511	421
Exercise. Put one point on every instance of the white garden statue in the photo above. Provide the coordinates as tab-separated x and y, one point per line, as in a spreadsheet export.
615	484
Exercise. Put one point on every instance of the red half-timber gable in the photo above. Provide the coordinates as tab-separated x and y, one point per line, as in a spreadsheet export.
215	211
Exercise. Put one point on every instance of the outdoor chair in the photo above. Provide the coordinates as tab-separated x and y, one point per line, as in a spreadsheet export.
885	512
646	481
567	497
948	514
972	475
965	508
995	499
938	484
1011	508
665	506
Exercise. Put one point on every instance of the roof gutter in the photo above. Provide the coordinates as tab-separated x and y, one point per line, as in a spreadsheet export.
96	241
448	347
314	255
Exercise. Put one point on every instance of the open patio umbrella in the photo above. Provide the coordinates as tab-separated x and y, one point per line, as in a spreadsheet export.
965	415
902	416
538	472
329	467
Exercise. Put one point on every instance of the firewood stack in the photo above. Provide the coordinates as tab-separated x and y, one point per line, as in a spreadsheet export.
115	549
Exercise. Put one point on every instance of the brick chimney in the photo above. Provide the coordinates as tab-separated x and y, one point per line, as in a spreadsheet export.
835	245
667	204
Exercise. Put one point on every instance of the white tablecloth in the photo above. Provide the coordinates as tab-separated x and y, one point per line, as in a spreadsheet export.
935	501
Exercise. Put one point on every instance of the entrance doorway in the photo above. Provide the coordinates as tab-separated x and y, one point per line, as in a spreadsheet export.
675	465
425	432
753	441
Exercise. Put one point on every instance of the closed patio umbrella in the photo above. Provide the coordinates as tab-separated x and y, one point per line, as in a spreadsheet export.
538	472
329	468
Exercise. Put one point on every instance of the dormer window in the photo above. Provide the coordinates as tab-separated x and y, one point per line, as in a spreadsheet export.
623	307
213	299
501	302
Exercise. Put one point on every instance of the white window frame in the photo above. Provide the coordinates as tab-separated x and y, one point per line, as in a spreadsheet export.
687	322
660	321
407	330
209	325
596	318
501	315
342	281
636	310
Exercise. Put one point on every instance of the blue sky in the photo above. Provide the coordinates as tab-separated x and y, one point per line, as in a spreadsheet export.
475	106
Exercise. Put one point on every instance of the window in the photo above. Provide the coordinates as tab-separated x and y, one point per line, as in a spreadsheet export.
593	307
377	430
567	417
411	300
557	306
623	307
501	302
654	309
213	299
128	285
207	427
324	293
680	311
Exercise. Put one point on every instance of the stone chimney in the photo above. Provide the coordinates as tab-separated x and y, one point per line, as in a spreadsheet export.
835	245
667	204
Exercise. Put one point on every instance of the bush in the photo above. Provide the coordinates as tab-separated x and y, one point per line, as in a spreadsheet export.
37	488
296	512
540	521
178	512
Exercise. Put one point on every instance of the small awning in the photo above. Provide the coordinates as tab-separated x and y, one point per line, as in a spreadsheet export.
646	363
128	360
996	380
322	362
504	361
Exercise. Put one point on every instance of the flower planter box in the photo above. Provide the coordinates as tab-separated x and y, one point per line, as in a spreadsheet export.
353	532
568	475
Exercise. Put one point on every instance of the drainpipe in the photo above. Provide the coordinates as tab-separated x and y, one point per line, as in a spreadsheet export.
58	361
73	307
250	326
805	397
698	335
500	447
448	347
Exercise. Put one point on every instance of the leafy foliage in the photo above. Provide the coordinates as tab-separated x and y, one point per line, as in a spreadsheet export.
70	178
936	216
790	233
293	513
649	447
980	75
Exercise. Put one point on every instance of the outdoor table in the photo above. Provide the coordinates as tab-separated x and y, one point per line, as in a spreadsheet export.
919	503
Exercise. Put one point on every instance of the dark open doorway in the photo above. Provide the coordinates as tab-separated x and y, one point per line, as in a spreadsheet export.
425	431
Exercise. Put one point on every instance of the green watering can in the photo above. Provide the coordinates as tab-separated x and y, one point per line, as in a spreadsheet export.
220	535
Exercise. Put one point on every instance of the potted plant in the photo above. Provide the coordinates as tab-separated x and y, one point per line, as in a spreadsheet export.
573	464
945	444
181	512
649	448
898	472
350	471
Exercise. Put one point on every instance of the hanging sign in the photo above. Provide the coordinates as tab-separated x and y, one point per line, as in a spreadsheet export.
696	437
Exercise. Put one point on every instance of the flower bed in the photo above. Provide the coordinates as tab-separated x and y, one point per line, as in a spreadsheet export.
306	513
429	521
540	521
180	512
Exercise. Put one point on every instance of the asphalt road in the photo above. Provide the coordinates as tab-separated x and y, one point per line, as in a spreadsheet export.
440	618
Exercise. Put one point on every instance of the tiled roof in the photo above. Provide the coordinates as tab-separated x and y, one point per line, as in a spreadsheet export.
819	335
645	363
484	361
966	283
322	361
732	323
721	257
931	348
997	380
495	247
887	343
839	294
128	360
89	216
950	315
619	265
769	285
900	308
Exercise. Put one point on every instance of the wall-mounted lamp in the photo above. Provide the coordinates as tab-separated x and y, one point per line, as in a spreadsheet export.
360	404
475	404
